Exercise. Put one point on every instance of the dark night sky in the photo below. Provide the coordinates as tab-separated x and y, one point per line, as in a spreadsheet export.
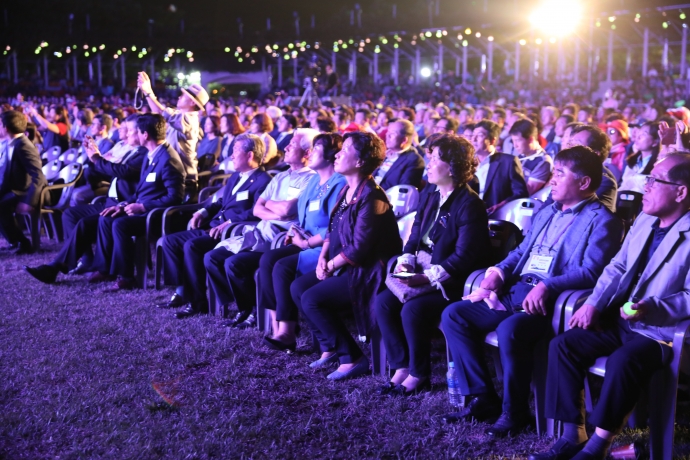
211	25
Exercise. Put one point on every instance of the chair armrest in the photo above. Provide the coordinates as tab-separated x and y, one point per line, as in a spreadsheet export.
174	214
234	228
99	199
392	263
680	336
218	178
559	309
278	240
575	301
154	224
473	281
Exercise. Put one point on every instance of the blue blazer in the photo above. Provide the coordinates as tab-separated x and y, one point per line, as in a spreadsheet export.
127	172
588	245
407	170
505	180
161	183
229	208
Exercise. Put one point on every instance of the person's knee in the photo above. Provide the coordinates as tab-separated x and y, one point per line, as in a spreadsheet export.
451	317
212	261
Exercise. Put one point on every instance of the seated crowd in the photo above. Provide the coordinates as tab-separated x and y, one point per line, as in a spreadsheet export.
304	214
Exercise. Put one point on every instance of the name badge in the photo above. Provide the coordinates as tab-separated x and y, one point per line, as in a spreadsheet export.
112	191
293	192
241	196
151	177
539	264
314	205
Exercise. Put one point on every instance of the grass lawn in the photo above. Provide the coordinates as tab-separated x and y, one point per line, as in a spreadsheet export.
86	374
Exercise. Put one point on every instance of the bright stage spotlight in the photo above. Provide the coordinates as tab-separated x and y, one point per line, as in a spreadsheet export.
557	17
426	72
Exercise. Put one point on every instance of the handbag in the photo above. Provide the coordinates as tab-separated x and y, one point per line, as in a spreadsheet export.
404	292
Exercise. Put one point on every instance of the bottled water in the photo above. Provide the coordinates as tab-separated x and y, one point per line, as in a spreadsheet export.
453	391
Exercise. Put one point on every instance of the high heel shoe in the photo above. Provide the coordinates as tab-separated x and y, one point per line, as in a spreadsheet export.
274	344
400	390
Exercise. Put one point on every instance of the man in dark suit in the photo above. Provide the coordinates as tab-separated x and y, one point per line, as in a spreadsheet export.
80	223
183	252
567	248
499	174
161	185
287	124
21	178
403	165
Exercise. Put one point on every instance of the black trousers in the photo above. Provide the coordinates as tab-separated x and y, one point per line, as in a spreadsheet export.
320	303
214	263
632	359
406	329
115	249
277	271
231	276
8	223
80	227
183	261
466	324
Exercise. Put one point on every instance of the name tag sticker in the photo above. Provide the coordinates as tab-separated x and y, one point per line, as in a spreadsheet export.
241	196
293	192
151	177
539	264
112	191
314	205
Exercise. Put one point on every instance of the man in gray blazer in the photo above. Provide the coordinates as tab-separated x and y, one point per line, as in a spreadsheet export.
568	247
652	272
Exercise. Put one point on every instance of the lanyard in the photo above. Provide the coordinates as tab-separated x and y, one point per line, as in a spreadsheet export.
558	237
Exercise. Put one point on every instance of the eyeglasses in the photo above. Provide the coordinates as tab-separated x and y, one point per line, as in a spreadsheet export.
651	180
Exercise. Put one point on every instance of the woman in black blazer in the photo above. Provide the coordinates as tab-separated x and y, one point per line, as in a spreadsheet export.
451	227
362	236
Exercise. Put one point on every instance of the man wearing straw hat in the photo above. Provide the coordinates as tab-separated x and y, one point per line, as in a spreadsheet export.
183	124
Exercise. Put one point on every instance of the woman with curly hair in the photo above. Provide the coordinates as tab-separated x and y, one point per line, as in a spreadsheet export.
449	240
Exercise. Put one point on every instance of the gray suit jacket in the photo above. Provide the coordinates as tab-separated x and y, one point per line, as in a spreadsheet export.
665	281
588	245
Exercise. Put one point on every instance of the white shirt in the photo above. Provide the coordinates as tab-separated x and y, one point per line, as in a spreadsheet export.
243	178
482	173
391	157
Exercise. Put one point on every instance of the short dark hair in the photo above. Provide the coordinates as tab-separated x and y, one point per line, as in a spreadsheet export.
332	143
525	128
367	113
568	118
408	113
491	127
468	109
486	109
572	107
13	121
597	140
459	154
582	161
326	125
105	120
133	118
588	109
85	116
291	119
152	124
452	125
370	148
680	173
500	112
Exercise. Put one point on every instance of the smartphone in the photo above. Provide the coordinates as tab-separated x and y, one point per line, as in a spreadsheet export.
403	275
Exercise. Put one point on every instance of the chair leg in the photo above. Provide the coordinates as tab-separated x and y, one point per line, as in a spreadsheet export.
141	261
35	225
378	353
541	353
663	412
56	219
158	270
213	308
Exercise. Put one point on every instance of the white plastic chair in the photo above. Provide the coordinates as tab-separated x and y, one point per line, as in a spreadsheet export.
519	212
403	198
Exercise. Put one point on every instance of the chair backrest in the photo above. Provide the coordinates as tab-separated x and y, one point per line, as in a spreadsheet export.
205	162
68	175
207	192
628	205
279	240
52	170
542	194
70	156
405	226
403	198
53	153
81	159
504	237
519	212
